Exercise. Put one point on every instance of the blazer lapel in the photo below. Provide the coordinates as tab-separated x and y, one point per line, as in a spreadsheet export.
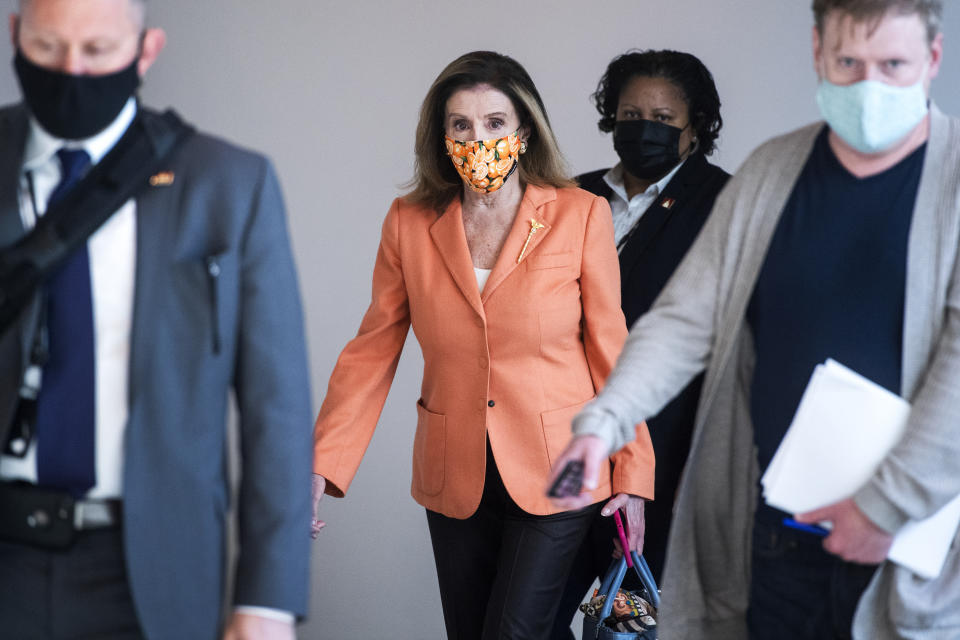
155	239
13	133
670	203
528	216
13	342
933	233
451	242
645	231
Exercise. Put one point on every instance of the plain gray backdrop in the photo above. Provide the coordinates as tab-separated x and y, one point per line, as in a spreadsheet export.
331	90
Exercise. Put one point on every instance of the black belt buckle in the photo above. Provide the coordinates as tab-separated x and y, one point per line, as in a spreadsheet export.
36	516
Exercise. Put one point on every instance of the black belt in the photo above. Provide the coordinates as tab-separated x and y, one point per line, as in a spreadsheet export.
50	518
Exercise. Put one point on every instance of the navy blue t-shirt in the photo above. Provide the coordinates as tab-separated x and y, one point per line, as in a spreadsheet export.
833	285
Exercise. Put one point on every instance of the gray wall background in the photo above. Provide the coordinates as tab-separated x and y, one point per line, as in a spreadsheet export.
330	91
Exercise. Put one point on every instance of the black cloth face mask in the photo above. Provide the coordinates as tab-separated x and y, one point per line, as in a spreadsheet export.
647	149
74	107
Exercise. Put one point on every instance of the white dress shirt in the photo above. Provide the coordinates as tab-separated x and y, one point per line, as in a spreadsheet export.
628	211
482	276
113	249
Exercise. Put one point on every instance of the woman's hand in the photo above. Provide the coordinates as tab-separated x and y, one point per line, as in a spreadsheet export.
636	524
316	491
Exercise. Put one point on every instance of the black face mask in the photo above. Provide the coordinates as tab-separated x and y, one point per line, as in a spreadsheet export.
74	107
647	149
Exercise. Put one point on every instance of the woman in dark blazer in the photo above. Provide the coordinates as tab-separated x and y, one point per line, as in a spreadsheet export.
664	112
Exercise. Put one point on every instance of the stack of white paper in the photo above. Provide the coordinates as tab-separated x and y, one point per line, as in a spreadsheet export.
844	427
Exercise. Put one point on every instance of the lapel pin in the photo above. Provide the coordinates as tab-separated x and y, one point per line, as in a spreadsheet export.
668	203
534	227
162	179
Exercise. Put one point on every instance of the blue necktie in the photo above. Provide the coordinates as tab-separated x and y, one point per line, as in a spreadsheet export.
65	404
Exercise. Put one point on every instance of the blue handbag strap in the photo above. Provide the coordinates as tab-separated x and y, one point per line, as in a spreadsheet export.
614	578
646	577
610	577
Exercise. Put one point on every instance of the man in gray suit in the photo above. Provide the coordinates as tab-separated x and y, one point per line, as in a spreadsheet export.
839	240
114	381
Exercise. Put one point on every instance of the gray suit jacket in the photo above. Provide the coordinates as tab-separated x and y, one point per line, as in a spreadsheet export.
198	333
698	322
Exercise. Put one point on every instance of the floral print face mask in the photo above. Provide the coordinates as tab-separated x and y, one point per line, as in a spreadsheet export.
485	164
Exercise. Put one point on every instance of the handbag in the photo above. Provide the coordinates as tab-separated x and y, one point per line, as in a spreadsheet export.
639	607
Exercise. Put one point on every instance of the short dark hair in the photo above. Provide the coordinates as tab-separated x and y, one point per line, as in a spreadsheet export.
435	182
929	11
683	70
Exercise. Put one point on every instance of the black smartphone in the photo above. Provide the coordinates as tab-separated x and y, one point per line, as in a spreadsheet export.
569	482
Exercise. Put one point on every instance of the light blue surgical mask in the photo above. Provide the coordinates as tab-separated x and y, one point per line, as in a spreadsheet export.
872	116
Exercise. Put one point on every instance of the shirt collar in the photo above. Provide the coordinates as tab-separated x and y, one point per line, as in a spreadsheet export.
41	145
614	179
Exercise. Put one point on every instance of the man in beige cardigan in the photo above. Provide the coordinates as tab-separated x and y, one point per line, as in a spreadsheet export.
837	239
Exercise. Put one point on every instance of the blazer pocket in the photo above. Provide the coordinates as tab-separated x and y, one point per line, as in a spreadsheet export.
549	260
202	283
429	448
557	431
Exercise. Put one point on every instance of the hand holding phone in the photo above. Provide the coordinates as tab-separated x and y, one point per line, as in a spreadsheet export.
569	482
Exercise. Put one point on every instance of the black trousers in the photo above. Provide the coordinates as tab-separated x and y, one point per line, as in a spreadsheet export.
799	591
80	592
502	570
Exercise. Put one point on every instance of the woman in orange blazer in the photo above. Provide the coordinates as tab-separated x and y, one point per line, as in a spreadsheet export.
509	277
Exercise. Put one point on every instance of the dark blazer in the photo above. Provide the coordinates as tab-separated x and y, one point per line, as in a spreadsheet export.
196	336
653	250
663	235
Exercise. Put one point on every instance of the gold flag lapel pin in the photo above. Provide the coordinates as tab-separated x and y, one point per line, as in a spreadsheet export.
162	179
668	203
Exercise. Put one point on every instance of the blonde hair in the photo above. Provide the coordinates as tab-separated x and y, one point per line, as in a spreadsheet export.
435	182
139	8
873	11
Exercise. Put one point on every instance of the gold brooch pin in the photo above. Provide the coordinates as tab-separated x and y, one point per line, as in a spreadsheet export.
162	179
534	227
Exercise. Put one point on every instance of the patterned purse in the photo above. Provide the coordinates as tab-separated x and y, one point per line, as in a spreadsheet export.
615	614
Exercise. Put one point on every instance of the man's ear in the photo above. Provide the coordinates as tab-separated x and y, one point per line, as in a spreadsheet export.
14	30
936	56
154	40
817	51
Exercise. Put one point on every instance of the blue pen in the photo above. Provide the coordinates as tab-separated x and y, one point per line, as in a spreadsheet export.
808	528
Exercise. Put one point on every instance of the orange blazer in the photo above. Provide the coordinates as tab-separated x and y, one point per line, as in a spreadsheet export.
514	364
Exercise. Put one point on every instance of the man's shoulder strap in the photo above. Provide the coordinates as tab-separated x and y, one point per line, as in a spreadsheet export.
166	130
121	175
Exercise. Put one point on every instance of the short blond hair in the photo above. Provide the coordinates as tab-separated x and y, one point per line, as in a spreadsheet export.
872	11
435	182
140	7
